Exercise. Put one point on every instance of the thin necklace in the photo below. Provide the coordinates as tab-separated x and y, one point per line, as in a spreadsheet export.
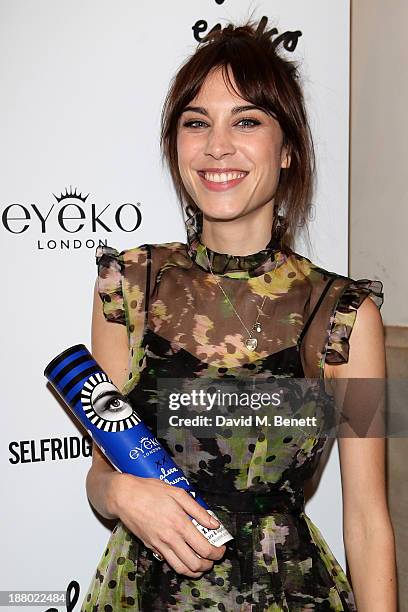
251	343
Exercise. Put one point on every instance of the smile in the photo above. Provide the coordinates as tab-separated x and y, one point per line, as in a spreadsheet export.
220	181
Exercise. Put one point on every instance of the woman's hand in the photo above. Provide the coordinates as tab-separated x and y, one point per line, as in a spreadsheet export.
158	514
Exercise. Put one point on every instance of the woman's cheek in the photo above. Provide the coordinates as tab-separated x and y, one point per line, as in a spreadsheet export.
187	182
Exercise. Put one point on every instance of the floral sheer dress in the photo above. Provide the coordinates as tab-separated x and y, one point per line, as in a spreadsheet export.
179	324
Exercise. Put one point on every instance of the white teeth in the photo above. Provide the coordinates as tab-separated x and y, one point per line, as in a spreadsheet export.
223	176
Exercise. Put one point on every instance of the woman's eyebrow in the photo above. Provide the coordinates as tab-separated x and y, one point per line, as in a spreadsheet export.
234	111
244	109
195	109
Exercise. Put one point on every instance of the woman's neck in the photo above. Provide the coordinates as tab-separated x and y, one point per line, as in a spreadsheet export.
241	236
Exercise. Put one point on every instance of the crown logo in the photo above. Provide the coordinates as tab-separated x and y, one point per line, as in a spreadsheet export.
70	194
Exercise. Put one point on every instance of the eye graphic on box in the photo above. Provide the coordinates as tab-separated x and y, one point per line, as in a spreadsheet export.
105	406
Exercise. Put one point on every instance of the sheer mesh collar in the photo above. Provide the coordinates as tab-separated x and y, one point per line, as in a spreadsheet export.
224	264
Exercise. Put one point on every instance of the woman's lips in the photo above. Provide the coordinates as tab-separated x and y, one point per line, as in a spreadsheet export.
220	186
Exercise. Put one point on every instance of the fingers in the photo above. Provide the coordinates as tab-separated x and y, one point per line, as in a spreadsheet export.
191	534
163	523
200	544
175	562
189	557
189	545
191	507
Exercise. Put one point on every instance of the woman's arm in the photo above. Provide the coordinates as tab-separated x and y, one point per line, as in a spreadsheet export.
154	511
110	349
368	532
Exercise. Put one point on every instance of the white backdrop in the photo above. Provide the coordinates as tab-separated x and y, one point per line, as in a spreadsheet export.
82	88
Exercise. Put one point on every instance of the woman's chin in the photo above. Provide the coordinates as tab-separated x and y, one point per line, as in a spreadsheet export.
221	213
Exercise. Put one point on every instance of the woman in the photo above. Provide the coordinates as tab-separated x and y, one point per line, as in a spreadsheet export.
224	305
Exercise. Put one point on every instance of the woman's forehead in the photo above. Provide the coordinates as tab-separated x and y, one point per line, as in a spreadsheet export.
217	87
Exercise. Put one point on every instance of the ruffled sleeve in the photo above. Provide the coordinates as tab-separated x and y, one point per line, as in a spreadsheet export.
344	316
110	283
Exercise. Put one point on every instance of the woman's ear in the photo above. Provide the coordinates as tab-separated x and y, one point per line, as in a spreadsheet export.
285	157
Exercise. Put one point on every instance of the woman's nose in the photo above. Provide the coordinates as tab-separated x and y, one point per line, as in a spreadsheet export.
219	142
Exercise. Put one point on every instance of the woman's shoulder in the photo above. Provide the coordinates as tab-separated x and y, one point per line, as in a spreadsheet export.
354	289
170	247
309	269
334	300
136	264
105	252
123	276
159	256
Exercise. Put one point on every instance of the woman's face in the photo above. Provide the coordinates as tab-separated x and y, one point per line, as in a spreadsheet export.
230	153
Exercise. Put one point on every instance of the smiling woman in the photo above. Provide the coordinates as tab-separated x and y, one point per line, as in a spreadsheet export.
246	132
237	94
236	302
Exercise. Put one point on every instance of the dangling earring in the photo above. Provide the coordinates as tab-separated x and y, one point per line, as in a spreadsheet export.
191	214
194	221
280	225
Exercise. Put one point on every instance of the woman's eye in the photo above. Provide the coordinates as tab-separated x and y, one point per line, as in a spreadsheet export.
246	123
193	123
252	122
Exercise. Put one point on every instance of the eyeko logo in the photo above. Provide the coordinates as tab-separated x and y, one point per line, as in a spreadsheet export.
147	446
73	214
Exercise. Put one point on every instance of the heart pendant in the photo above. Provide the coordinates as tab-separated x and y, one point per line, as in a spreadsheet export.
251	343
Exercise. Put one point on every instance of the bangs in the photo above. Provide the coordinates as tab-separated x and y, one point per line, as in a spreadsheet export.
256	80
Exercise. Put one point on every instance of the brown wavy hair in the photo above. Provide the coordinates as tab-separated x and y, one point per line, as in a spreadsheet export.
270	81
